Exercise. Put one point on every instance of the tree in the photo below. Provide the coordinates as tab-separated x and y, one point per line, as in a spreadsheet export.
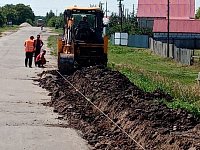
197	16
10	13
60	20
16	14
54	21
51	22
129	26
2	18
49	15
24	13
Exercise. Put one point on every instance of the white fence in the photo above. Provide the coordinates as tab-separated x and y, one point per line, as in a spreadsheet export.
181	55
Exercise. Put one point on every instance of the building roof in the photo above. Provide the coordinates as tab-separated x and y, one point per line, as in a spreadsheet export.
179	9
177	26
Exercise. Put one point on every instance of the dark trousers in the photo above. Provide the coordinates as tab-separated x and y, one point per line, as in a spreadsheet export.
29	59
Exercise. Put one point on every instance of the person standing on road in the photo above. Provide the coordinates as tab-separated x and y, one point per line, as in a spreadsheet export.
29	49
38	45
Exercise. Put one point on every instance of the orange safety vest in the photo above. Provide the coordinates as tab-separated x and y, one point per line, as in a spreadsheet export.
29	44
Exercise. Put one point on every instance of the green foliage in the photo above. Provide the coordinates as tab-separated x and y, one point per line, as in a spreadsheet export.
17	14
54	21
51	22
198	14
24	13
8	28
2	18
129	26
49	15
10	13
151	72
60	21
191	107
52	44
30	21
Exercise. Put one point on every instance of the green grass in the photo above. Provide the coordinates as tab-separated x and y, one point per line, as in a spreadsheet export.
58	31
8	28
150	72
52	44
146	60
52	40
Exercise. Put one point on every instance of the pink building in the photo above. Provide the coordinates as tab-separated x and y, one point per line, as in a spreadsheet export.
148	10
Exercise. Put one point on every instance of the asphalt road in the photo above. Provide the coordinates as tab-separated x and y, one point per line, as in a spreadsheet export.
25	124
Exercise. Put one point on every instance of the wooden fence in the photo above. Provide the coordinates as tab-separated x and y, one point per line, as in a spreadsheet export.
181	55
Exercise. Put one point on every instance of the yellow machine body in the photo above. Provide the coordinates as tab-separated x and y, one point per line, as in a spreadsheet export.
81	46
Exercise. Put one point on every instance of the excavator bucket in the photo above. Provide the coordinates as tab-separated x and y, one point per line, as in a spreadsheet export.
66	63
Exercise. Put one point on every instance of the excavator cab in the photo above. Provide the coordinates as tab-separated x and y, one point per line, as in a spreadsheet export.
82	43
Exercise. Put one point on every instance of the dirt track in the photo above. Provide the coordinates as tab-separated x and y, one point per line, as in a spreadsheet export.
140	114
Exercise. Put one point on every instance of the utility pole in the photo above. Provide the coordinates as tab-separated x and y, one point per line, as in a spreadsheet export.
106	9
120	15
125	15
123	12
168	26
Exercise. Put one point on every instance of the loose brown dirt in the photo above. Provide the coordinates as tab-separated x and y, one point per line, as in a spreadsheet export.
142	115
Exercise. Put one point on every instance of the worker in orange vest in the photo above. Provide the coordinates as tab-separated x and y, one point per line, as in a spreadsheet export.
29	49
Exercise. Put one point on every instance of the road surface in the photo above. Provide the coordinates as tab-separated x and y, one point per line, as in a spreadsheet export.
25	124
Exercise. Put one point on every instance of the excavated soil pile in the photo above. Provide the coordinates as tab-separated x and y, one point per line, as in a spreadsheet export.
142	115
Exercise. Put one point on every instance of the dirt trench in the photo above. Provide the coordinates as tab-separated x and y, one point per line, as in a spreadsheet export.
142	115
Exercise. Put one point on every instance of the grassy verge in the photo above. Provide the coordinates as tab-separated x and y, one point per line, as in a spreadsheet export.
151	72
58	31
52	44
8	28
52	40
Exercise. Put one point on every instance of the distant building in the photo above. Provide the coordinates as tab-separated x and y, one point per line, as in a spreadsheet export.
149	10
184	29
183	33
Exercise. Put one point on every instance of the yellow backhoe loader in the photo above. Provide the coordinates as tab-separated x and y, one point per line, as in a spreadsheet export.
82	43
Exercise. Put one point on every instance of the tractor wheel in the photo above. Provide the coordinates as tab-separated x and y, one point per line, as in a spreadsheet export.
66	63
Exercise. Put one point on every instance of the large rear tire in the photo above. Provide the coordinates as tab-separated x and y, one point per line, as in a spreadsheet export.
66	63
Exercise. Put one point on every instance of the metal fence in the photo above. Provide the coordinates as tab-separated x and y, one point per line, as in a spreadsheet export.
181	55
140	41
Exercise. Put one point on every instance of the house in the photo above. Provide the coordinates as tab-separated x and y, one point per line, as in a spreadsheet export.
149	10
182	33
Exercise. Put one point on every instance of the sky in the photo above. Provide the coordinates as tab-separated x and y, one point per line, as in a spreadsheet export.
41	7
